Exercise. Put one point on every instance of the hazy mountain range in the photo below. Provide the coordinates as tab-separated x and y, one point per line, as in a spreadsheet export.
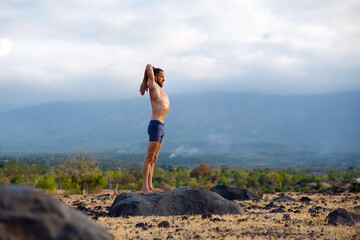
206	122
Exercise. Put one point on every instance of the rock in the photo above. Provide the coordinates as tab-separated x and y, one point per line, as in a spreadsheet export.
142	225
312	210
216	220
204	216
255	207
103	197
26	213
283	198
278	210
232	193
270	205
164	224
342	216
305	199
286	217
179	201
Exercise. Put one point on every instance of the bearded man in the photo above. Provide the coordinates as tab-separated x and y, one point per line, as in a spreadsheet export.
153	81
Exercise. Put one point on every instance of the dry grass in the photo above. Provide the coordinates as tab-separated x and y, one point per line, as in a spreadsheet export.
254	224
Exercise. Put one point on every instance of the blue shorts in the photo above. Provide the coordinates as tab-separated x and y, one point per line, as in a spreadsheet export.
156	131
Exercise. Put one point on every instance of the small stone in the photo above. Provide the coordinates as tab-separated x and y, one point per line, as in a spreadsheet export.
142	225
286	217
271	205
311	210
164	224
204	216
305	199
216	220
278	210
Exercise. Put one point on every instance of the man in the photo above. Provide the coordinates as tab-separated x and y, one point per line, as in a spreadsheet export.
154	79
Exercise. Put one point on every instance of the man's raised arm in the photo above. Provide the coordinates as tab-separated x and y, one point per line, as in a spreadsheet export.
148	80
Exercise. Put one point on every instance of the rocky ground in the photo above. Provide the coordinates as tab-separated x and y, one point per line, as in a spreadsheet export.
291	216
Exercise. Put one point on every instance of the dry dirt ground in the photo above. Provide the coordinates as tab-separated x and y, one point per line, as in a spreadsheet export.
300	219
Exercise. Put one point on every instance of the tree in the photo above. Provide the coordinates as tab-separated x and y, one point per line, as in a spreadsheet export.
81	173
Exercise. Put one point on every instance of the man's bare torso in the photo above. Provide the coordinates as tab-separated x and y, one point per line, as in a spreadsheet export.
160	103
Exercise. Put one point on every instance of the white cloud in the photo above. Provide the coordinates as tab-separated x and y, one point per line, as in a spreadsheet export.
66	44
5	46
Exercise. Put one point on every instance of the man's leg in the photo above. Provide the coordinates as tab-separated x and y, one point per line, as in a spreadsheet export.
152	150
151	170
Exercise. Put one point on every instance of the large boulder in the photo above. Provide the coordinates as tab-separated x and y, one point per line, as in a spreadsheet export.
342	216
232	193
179	201
26	213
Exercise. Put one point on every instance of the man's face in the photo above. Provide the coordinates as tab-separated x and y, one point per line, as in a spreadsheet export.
160	78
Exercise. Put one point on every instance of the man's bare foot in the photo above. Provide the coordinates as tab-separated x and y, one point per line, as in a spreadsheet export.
145	191
156	190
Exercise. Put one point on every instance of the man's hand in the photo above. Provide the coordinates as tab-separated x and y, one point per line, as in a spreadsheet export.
144	87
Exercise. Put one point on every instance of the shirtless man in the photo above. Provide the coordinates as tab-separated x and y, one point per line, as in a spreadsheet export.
153	80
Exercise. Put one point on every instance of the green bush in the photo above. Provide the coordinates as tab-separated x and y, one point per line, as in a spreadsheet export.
47	183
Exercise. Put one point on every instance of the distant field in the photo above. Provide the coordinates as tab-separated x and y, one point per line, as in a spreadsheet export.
305	221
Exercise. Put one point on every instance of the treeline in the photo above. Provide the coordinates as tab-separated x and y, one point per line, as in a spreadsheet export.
82	173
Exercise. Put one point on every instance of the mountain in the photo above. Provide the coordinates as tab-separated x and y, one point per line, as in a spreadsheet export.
205	122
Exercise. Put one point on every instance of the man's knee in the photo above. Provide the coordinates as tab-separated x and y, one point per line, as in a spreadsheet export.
151	158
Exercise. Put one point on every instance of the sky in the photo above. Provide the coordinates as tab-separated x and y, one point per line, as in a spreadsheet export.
73	50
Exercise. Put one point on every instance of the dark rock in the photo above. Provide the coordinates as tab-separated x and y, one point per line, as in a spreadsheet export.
179	201
342	216
103	214
103	197
278	210
216	220
232	193
204	216
142	225
255	207
312	210
98	208
305	199
286	217
164	224
26	213
283	198
80	206
242	220
270	205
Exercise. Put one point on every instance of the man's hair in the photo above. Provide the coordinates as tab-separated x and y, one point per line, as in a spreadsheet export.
157	70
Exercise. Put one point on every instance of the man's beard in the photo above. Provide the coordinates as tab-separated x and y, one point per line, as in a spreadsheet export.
160	84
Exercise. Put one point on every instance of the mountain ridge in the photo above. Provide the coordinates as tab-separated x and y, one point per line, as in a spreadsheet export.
210	121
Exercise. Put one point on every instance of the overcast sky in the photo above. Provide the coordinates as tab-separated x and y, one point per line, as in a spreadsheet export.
97	49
